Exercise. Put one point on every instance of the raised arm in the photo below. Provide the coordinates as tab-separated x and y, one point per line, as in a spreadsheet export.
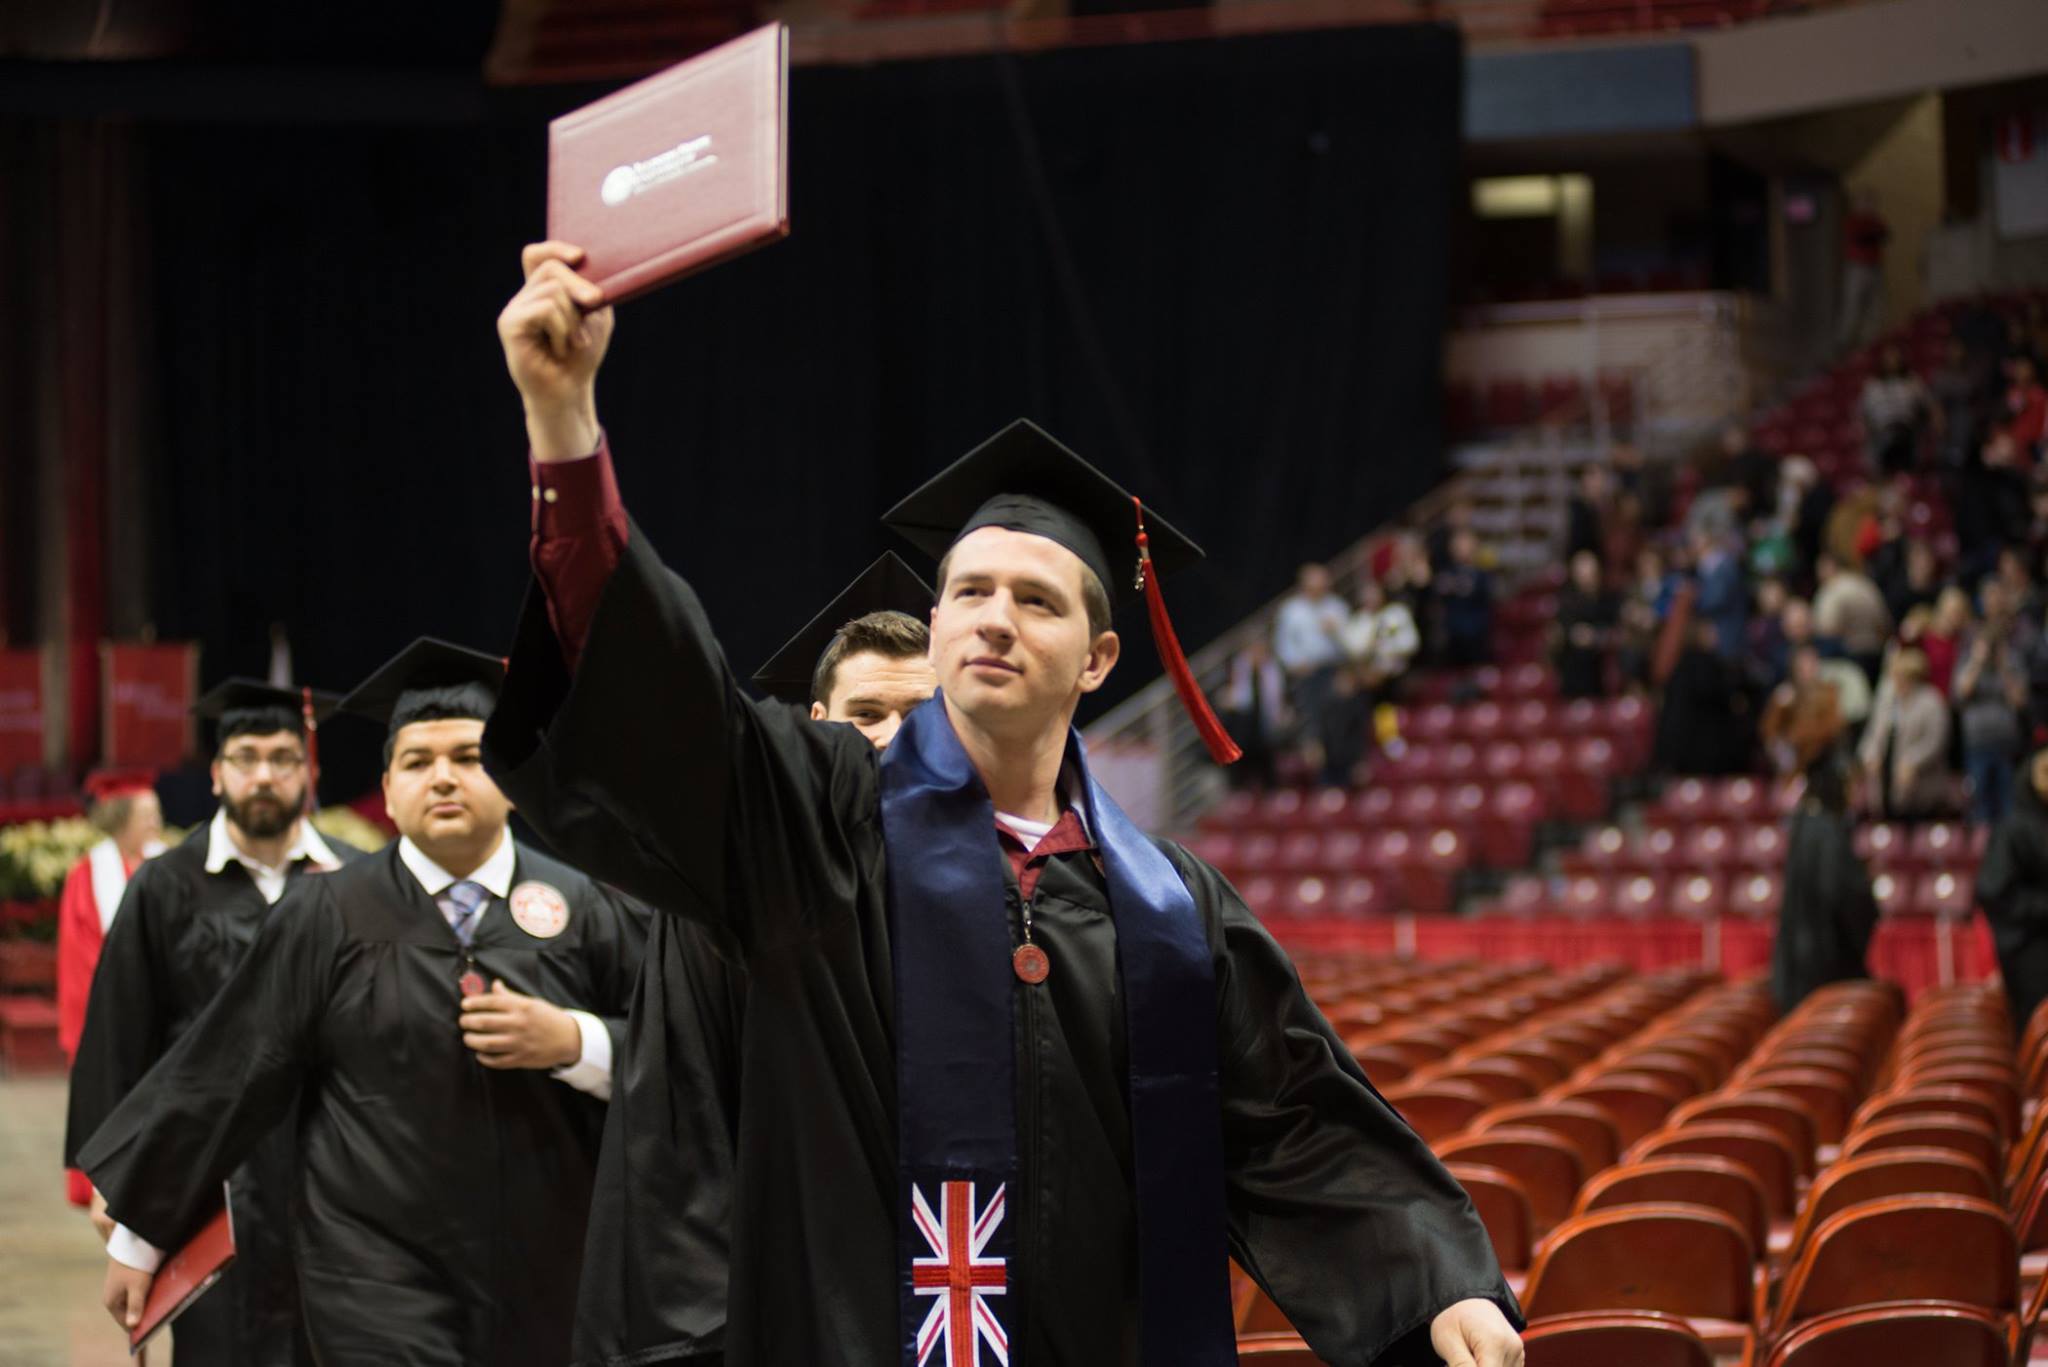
621	734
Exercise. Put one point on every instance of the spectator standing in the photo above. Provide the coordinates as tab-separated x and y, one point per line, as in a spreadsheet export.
1809	502
1803	721
1723	599
1587	616
1908	575
1990	692
1704	725
1587	514
1896	408
1829	911
2026	407
1950	625
1849	614
2012	887
1308	642
1905	747
1465	589
1255	698
1864	234
1764	653
1993	507
1380	640
1953	389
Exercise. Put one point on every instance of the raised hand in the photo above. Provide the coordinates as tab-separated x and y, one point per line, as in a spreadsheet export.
555	332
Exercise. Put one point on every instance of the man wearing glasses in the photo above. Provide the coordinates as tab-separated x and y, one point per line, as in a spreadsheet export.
185	921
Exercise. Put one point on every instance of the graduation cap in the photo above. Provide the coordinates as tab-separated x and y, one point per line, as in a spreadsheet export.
429	673
241	706
1023	480
888	585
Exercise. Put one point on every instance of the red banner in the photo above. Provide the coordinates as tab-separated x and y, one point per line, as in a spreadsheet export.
22	715
148	692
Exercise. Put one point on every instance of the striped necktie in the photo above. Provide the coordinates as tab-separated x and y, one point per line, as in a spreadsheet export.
461	904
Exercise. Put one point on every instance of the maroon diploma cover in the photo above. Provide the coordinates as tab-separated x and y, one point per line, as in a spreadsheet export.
185	1277
677	172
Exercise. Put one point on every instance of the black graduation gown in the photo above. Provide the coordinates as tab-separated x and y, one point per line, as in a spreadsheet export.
1828	912
2012	887
659	1242
440	1208
178	935
766	829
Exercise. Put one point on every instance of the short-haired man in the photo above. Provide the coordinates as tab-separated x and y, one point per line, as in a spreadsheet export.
1027	1078
439	1019
187	918
655	1264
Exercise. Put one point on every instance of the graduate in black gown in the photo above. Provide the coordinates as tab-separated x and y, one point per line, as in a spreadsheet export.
1013	1086
186	920
440	1020
2012	887
655	1261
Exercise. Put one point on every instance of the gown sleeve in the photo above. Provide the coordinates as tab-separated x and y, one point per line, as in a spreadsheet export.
1336	1208
122	1033
231	1079
79	938
651	769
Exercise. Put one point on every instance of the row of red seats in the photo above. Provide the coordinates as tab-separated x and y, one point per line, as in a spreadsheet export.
1619	719
1756	894
1717	847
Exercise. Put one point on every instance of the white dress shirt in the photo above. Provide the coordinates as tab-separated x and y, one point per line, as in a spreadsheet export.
221	850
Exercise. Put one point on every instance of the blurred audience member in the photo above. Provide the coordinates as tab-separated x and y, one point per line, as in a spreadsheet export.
1704	725
1764	652
1864	234
1828	912
1809	502
1953	389
1587	618
1380	640
1947	629
1464	588
1723	599
1750	468
1908	575
1803	720
1895	408
1308	641
1993	506
1905	746
2026	407
1990	693
1586	516
2012	887
1256	714
1849	615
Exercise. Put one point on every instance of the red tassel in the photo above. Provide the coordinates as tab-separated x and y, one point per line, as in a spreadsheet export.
312	801
1222	748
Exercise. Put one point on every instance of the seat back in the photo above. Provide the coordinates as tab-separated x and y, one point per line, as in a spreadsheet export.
1936	1099
1677	1259
1763	1151
1951	1334
1584	1124
1780	1111
1887	1173
1684	1179
1637	1106
1939	1130
1503	1206
1636	1338
1437	1110
1951	1248
1549	1166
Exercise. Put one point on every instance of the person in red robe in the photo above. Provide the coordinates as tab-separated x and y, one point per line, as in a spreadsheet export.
125	809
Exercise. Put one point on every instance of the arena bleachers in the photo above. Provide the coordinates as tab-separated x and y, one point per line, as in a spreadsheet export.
1671	1175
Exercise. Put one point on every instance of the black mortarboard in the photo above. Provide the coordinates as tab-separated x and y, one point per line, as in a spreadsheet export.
1024	480
425	667
239	706
888	585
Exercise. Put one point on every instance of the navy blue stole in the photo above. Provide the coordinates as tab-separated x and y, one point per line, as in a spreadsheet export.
956	1067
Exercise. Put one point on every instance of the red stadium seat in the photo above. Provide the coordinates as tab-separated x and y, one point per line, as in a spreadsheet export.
1503	1207
1637	1104
1974	1139
1361	896
1637	1338
1711	846
1549	1167
1951	1334
1914	1099
1438	1110
1882	843
1684	1179
1283	808
1482	721
1883	1174
1640	897
1583	1123
1756	896
1586	896
1687	800
1763	1151
1946	892
1762	847
1682	1260
1952	1248
1605	848
1743	799
1779	1111
1699	897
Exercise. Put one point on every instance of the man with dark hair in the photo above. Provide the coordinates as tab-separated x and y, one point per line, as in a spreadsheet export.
436	1025
1015	1079
187	918
656	1261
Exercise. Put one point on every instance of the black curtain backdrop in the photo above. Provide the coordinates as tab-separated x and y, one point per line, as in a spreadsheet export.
1216	268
